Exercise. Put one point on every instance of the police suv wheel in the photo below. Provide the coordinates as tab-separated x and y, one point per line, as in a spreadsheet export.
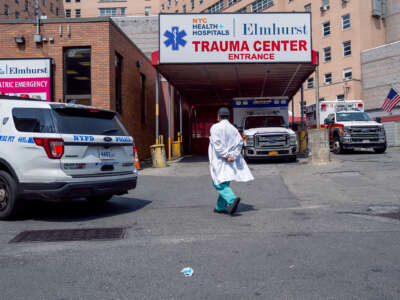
10	205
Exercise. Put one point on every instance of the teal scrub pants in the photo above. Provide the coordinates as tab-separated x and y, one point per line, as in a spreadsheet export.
226	195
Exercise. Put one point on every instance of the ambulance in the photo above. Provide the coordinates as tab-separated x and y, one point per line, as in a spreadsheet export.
348	125
263	123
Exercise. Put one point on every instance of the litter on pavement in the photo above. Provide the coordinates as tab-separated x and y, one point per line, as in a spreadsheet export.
187	272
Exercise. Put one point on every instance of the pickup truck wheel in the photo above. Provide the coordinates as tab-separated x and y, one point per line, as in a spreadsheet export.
10	204
98	199
380	150
337	146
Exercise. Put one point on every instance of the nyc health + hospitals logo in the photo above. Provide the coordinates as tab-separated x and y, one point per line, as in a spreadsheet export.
175	38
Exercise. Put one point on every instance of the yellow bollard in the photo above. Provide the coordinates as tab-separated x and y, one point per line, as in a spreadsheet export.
169	148
158	156
176	149
302	141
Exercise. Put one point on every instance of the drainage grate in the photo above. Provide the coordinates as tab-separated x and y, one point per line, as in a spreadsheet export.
66	235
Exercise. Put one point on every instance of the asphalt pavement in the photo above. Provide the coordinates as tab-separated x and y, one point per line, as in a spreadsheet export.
302	231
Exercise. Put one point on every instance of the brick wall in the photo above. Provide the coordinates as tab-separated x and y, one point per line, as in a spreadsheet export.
135	63
104	39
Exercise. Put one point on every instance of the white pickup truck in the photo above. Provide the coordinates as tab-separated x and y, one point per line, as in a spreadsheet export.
263	123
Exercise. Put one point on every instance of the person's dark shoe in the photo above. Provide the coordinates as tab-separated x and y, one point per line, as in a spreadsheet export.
235	205
220	211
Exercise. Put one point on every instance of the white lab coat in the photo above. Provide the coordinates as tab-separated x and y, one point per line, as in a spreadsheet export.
225	140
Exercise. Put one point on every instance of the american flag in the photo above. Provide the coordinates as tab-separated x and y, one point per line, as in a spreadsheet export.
391	100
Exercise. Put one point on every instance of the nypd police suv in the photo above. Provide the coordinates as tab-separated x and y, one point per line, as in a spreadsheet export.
53	151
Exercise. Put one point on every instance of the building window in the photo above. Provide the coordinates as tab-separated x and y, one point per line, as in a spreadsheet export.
169	4
217	7
57	11
192	4
162	7
27	5
346	22
347	74
6	10
201	1
243	10
327	54
261	5
328	78
68	13
77	13
307	8
17	14
122	11
325	4
310	83
77	85
51	7
147	10
77	1
68	1
231	2
340	97
326	28
109	11
17	1
44	3
290	1
347	48
184	8
143	98
118	83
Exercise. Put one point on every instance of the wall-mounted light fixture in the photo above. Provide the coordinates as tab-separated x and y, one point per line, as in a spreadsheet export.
19	40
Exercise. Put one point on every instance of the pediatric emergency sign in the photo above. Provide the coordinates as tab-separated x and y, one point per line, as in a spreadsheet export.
26	77
229	38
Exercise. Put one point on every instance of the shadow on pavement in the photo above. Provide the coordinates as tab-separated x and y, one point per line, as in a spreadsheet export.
243	207
194	159
82	210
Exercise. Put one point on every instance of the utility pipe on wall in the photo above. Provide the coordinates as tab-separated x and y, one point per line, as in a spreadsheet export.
157	108
169	121
317	92
302	106
180	116
292	113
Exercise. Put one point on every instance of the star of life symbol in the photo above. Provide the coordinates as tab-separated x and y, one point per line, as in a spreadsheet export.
175	38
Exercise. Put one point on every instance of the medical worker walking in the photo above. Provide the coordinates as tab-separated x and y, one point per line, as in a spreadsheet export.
226	162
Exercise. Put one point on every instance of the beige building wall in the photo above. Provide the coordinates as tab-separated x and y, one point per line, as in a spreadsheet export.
25	9
112	8
365	32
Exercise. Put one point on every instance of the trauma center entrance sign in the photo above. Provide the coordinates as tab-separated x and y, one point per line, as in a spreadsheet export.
230	38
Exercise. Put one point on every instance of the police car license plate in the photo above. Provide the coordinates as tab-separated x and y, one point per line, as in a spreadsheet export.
273	153
365	141
106	155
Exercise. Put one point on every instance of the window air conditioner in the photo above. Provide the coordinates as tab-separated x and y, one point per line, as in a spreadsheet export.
324	7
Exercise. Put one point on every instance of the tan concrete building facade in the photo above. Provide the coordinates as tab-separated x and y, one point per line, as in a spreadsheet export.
381	72
341	29
110	8
25	9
